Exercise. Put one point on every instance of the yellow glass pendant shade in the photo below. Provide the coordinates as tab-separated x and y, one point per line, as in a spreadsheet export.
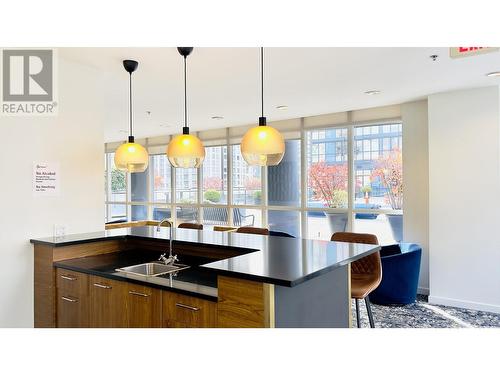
263	145
131	157
185	151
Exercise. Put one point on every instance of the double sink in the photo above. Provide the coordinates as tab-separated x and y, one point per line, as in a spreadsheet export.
152	269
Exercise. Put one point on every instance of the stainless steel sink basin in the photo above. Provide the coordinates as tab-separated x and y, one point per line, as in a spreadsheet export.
152	269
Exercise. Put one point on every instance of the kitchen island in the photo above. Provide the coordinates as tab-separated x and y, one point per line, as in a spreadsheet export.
234	280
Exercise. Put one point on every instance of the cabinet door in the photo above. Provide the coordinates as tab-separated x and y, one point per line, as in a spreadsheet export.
143	306
72	299
108	303
180	311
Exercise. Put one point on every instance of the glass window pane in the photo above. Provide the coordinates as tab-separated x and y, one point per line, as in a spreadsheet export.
321	225
284	221
186	185
247	182
214	216
379	178
243	217
186	214
138	212
283	180
106	181
215	175
139	186
327	179
117	212
160	213
118	186
387	228
161	179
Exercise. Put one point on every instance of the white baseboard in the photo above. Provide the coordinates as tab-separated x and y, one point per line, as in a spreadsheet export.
464	304
424	291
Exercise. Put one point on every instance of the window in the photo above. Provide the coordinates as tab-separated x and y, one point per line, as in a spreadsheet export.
327	175
247	181
379	172
139	186
215	175
138	212
379	183
284	221
186	185
116	191
333	179
319	224
161	179
283	180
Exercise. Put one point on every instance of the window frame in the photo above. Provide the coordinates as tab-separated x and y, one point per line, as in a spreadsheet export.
302	208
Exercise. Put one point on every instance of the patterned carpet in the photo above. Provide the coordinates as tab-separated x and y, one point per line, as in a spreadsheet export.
424	315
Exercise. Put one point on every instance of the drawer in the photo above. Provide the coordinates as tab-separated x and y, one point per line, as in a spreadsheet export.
72	312
187	312
72	283
143	306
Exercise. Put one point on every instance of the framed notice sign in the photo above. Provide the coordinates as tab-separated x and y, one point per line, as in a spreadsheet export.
46	179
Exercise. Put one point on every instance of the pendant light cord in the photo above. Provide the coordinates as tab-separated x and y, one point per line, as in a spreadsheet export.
130	101
262	78
185	92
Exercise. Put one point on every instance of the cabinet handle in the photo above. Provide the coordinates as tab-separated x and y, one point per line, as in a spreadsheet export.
138	293
102	286
183	306
69	299
70	278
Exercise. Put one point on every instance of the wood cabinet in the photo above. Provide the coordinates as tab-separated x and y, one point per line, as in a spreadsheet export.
72	299
180	311
97	302
143	306
244	303
108	303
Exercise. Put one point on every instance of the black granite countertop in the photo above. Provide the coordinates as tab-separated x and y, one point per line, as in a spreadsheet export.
275	260
192	281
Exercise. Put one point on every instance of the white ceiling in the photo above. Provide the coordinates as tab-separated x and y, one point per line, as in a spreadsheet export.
310	81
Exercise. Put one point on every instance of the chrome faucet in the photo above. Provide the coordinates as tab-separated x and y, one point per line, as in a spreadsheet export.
164	221
171	258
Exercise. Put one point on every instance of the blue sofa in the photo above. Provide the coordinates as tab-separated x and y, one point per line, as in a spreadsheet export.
400	272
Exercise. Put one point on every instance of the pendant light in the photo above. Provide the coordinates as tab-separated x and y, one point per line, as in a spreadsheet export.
185	150
262	145
131	157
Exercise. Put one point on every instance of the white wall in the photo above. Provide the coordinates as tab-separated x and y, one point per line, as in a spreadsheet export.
464	197
75	139
416	183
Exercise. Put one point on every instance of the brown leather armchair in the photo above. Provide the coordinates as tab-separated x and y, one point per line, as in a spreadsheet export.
366	273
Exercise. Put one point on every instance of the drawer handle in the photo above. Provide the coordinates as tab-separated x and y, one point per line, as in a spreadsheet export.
69	299
70	278
183	306
133	292
102	286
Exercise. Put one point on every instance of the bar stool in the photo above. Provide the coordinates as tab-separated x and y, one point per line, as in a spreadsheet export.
190	226
253	230
366	273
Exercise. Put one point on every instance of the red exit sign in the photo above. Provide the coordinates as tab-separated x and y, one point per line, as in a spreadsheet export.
470	51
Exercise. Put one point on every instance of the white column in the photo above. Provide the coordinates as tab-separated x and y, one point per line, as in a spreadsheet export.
464	198
416	183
